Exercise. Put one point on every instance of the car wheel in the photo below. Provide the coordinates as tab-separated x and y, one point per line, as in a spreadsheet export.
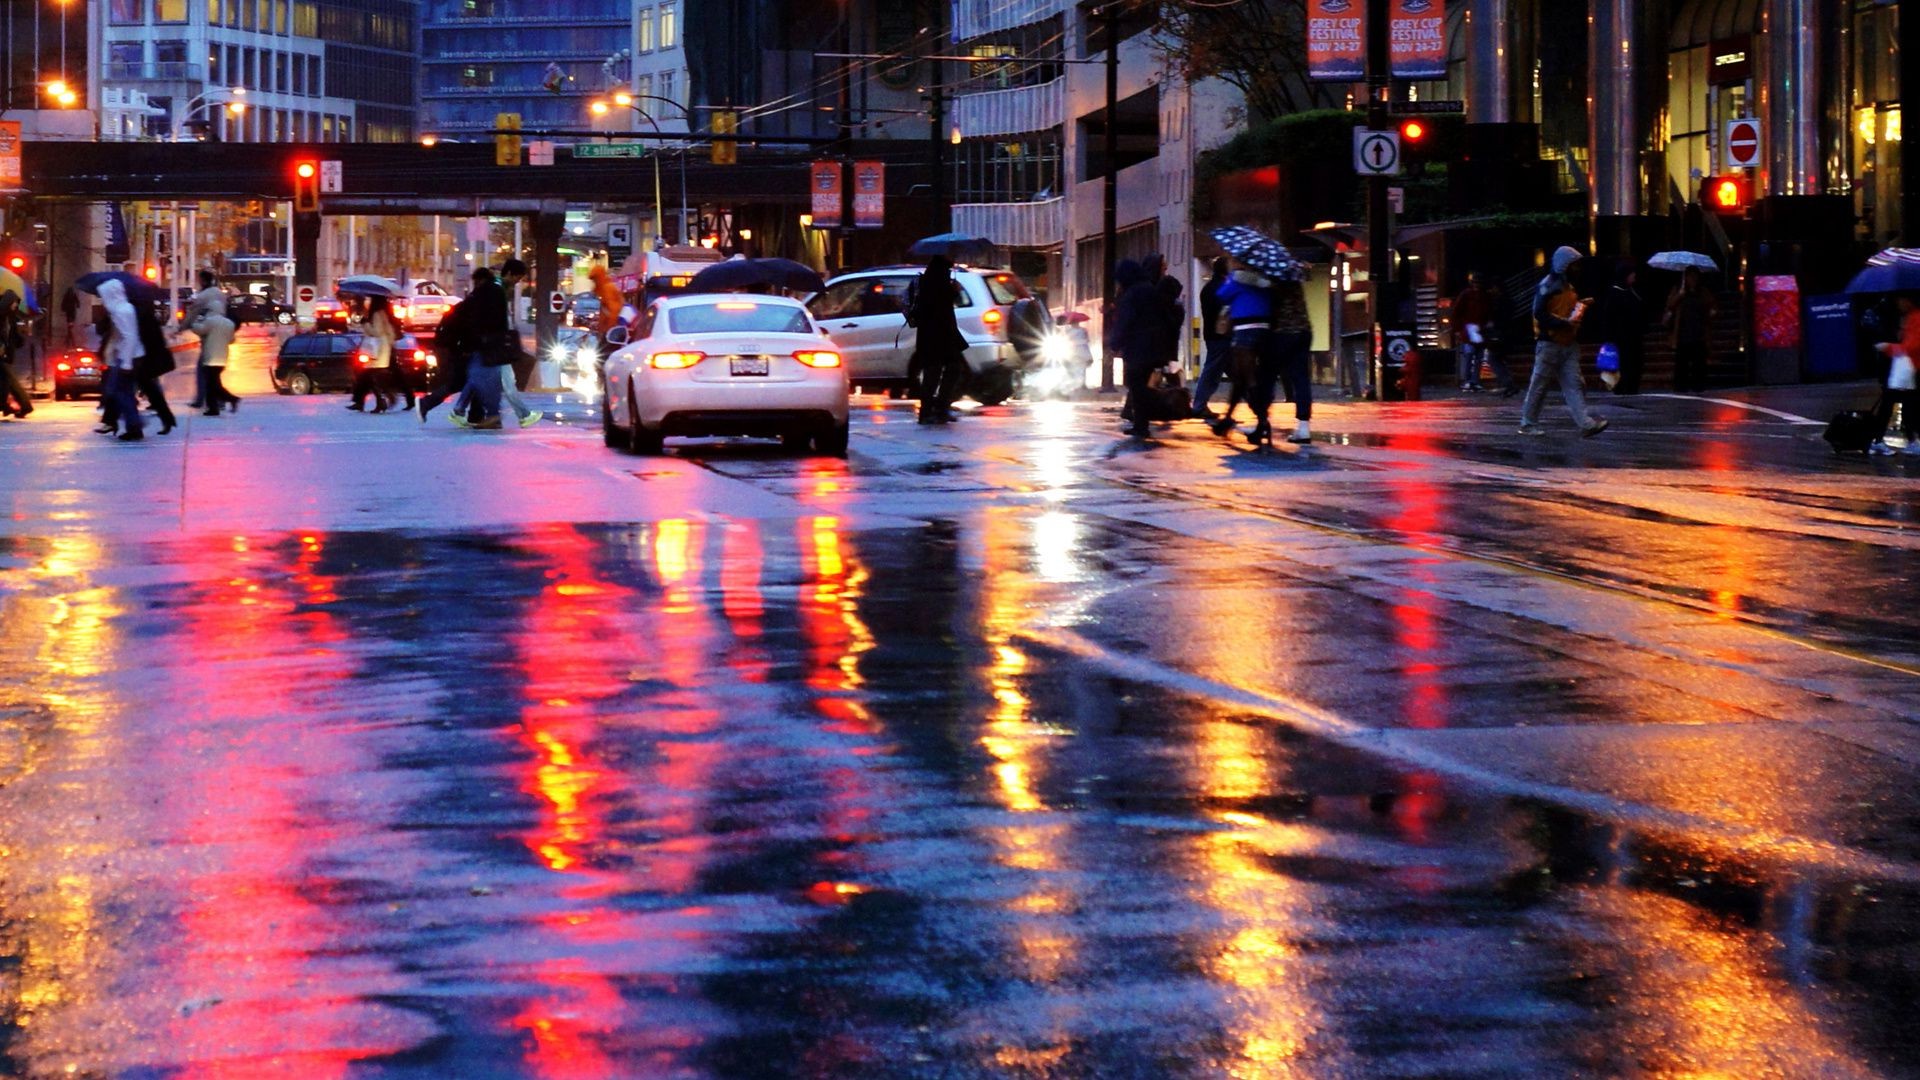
299	383
639	439
833	441
284	318
992	386
610	434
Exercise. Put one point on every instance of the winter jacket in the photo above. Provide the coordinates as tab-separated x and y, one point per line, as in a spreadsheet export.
123	346
1249	298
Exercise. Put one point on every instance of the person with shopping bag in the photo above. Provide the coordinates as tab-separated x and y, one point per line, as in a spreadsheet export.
1901	380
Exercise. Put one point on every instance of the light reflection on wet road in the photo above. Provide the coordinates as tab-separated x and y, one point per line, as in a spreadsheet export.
1001	751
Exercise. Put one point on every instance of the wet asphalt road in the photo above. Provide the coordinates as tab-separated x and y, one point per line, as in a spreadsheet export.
337	745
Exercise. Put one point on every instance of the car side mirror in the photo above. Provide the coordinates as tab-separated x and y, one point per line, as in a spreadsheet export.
617	336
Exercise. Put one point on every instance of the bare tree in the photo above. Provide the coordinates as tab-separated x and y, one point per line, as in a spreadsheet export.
1257	46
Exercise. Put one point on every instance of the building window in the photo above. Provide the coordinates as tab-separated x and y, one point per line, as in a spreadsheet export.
279	16
646	29
643	87
314	85
326	129
170	11
125	54
213	12
669	27
666	87
474	76
169	52
306	18
213	67
126	12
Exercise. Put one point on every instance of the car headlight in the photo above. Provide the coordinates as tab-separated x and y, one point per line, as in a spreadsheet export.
1056	349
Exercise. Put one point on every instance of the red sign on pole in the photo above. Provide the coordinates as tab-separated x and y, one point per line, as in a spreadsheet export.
1743	144
303	295
1417	37
1337	40
869	195
824	185
9	153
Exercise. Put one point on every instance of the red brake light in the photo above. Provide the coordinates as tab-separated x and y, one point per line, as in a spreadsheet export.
818	359
64	366
672	360
364	358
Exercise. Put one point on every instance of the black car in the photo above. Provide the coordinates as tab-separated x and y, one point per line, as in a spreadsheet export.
321	362
245	308
77	372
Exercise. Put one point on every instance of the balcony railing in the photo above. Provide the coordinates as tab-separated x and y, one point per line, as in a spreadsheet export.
1012	112
167	72
1022	225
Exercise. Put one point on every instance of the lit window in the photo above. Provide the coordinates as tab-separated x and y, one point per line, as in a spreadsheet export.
646	30
669	27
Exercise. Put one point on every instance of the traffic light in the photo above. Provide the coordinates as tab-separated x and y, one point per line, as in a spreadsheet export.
1725	194
1413	133
306	187
17	263
724	151
506	147
151	273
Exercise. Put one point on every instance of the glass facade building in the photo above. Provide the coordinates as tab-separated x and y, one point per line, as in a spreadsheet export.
543	59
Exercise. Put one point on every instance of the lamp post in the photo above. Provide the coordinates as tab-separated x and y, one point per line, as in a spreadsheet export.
235	106
58	92
627	98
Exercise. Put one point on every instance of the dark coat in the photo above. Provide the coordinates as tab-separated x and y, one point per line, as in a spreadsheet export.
486	323
1143	324
1210	305
1621	320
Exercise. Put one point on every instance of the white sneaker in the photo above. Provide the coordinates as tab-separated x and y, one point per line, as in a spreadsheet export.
531	418
1879	448
1300	433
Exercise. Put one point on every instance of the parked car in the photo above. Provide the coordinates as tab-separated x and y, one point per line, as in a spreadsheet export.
245	308
724	365
318	362
76	372
330	313
582	310
422	307
865	315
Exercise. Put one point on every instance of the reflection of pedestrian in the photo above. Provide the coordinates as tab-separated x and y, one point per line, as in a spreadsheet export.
1690	320
1899	389
1217	337
1557	312
14	400
1621	321
940	350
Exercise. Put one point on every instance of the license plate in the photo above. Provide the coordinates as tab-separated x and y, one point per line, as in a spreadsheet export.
748	365
85	372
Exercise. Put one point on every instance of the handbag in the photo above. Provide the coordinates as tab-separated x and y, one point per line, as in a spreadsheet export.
1608	358
1901	375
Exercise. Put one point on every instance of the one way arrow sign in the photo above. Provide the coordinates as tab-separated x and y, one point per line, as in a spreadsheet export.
1376	153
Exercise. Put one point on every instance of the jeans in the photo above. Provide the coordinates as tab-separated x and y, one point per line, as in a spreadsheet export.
121	386
1471	356
510	392
1262	348
483	387
1292	356
1212	370
1554	362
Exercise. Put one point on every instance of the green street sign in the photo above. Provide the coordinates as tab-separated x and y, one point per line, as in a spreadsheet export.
609	150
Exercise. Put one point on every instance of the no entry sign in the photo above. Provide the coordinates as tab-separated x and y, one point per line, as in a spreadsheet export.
557	303
304	294
1743	144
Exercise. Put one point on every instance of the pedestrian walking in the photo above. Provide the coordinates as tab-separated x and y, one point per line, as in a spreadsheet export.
207	319
1272	343
452	346
1216	337
374	376
1689	320
1474	335
1557	313
121	350
519	370
1621	321
940	350
70	311
1138	332
156	359
1899	389
15	401
487	314
607	291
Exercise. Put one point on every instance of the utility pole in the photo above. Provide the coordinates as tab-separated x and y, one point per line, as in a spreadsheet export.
937	127
1110	189
1379	240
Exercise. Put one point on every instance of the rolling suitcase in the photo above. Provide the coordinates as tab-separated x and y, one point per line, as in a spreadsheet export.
1851	431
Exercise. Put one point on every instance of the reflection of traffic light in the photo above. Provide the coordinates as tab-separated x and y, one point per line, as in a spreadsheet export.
1725	194
306	187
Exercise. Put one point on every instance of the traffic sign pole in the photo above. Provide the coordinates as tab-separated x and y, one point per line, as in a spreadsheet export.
1379	93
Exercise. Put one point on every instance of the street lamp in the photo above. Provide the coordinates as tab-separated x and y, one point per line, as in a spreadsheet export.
57	91
235	106
627	99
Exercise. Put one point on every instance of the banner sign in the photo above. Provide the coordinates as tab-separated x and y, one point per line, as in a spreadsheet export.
1337	40
1776	312
1417	36
824	185
9	153
869	195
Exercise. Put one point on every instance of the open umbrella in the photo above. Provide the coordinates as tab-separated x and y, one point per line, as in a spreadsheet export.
958	247
1902	275
756	274
1684	260
11	282
1260	251
136	287
367	285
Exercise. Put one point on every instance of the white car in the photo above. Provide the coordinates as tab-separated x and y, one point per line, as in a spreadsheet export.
865	314
725	364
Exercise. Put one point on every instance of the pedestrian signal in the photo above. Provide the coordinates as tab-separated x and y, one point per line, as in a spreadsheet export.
306	187
724	150
1725	194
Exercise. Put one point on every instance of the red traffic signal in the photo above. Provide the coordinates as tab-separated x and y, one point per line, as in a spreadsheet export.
1413	132
151	273
16	263
306	187
1725	194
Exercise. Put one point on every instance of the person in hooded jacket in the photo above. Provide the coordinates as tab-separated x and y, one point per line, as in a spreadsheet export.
14	398
1139	334
940	350
207	318
1557	313
121	349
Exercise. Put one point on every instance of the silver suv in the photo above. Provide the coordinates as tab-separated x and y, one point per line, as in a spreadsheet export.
865	315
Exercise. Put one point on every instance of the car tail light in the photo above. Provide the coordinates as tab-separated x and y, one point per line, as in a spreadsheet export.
364	358
63	366
399	311
818	359
675	359
993	318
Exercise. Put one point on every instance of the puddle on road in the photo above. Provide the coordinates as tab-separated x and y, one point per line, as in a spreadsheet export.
722	798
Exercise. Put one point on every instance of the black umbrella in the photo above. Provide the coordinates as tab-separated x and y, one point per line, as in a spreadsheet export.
958	247
137	288
736	274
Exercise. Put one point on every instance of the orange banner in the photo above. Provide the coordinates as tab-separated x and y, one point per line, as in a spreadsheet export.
9	153
869	195
1417	36
824	184
1337	40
